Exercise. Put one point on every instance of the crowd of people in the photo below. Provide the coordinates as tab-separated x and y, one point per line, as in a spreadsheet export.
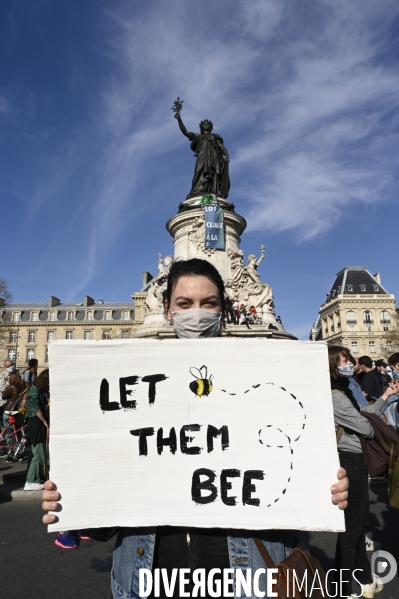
237	313
360	389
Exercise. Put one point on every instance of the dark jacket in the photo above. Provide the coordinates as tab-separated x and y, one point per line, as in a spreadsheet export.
12	394
371	384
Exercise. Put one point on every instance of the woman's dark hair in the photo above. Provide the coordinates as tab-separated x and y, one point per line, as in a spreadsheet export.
394	359
334	354
43	381
197	268
33	363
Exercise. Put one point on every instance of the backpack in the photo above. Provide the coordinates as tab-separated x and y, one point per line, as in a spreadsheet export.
377	451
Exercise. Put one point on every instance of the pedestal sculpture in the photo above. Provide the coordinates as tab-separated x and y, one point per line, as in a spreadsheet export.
242	281
187	228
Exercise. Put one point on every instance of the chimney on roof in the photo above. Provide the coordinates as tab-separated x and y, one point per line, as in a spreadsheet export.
88	301
377	278
53	301
147	277
100	301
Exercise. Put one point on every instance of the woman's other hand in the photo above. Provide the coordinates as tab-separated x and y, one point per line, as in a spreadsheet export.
339	491
50	498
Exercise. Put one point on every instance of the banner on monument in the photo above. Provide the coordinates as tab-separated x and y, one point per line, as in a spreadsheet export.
214	227
199	433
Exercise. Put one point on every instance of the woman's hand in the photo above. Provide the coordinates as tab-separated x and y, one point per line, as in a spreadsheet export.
50	498
339	491
393	389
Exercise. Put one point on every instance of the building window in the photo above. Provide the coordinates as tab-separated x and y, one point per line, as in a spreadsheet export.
386	329
31	337
362	287
30	354
107	315
13	337
50	336
70	316
87	334
16	316
368	317
68	335
354	347
53	316
389	346
351	317
11	354
126	315
376	288
35	316
106	334
385	317
46	357
351	327
125	335
372	347
350	287
90	316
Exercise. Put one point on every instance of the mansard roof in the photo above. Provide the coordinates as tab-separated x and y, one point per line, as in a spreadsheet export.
355	280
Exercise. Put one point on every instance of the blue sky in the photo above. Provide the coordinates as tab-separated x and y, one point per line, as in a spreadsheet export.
305	94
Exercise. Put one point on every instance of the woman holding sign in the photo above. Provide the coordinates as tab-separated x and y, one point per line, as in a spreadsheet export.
194	304
351	426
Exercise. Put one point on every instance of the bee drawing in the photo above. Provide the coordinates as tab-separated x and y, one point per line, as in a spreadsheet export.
203	385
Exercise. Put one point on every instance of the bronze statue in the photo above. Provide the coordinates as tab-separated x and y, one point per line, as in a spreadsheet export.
211	173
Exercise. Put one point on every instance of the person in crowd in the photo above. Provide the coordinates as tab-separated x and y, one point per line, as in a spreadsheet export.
381	366
4	375
391	412
236	308
357	372
37	416
351	552
354	386
195	305
393	362
11	394
244	316
30	374
371	382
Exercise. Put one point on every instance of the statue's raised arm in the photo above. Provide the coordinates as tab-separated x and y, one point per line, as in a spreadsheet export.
182	126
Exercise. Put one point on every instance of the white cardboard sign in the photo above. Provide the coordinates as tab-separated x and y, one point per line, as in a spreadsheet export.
224	433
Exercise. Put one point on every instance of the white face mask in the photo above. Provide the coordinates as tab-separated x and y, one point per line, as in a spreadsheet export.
196	323
11	369
346	370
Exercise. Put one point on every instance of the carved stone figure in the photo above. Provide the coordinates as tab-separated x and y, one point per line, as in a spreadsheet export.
245	285
211	173
154	299
197	235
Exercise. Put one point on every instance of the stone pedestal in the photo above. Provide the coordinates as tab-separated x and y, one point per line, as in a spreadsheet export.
187	229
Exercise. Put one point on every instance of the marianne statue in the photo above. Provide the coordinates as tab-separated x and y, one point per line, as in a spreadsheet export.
211	173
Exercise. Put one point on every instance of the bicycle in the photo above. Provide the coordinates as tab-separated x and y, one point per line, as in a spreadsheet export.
15	448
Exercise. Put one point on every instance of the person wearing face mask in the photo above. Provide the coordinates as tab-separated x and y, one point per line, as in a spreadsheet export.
9	368
194	305
351	545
